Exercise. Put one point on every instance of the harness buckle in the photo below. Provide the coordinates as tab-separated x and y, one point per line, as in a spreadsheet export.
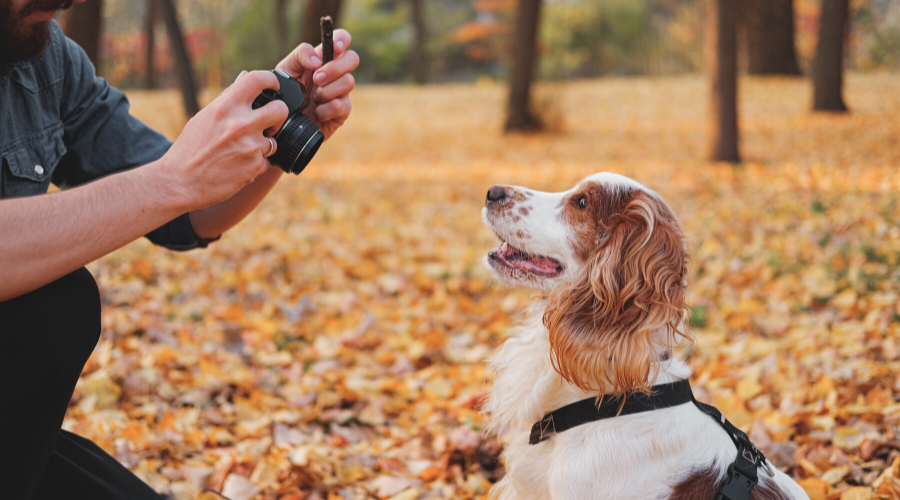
753	454
737	486
542	430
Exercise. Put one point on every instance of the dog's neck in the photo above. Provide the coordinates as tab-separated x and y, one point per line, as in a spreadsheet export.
526	386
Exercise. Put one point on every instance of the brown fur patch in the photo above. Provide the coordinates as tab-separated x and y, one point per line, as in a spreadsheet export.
699	485
603	202
702	485
523	210
768	491
516	195
631	285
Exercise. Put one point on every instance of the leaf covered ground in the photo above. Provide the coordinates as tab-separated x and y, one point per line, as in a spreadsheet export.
332	345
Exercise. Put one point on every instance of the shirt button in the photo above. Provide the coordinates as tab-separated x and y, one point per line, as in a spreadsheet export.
39	170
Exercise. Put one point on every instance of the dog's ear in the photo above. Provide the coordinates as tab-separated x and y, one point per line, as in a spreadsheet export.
633	286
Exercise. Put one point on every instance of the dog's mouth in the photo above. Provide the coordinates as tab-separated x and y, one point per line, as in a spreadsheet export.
516	259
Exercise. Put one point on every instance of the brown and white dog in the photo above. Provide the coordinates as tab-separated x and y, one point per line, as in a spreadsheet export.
610	257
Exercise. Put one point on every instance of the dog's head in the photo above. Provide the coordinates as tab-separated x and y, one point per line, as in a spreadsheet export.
611	255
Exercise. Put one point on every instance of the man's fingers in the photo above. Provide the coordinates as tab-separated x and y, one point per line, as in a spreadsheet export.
271	115
333	70
342	40
260	166
306	58
250	85
267	146
302	59
335	109
342	86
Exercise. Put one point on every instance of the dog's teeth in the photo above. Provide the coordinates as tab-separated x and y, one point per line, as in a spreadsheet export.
504	247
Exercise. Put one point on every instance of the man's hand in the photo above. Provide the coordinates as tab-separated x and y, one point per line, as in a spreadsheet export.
330	84
221	149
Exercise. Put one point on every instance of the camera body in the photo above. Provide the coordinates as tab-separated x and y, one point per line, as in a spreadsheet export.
298	138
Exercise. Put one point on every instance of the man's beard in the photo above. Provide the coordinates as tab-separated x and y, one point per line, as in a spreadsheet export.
20	41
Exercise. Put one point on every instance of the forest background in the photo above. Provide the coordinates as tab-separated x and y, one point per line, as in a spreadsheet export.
466	40
333	345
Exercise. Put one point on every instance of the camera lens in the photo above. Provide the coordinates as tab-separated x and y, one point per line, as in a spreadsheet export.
298	140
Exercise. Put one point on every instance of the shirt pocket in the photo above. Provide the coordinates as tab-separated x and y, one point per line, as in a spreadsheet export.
30	166
36	81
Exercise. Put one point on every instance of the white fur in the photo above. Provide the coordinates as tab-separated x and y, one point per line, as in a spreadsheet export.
639	456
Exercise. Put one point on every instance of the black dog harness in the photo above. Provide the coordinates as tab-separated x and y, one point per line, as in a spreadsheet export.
742	476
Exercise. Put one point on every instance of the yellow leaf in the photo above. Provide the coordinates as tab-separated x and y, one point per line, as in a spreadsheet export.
747	388
815	488
833	476
858	493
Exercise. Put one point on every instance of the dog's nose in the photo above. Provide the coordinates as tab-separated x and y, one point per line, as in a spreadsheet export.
496	193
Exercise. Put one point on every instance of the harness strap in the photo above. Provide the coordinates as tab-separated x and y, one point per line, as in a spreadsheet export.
742	475
587	410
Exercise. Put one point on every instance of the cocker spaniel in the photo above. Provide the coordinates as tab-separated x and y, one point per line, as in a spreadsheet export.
610	259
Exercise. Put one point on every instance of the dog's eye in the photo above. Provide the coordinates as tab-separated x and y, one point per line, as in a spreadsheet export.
582	202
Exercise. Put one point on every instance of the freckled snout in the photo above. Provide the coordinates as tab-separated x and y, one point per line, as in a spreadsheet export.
495	194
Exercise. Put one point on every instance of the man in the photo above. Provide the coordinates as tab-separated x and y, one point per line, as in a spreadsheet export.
60	123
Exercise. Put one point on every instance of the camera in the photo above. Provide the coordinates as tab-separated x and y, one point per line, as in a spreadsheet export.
298	139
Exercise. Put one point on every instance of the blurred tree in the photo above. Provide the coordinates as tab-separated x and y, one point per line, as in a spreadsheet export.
382	36
721	66
309	30
281	26
183	69
828	67
768	28
418	60
524	52
596	38
84	25
151	17
885	48
250	37
483	37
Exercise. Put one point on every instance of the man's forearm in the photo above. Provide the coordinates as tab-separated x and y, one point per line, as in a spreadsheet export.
43	238
212	221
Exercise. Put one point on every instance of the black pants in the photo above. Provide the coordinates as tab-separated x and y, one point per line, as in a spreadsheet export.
46	337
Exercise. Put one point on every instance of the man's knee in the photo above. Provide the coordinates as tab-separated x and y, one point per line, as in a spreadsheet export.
76	321
60	321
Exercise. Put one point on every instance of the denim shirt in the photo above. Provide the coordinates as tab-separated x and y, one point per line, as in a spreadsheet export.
61	123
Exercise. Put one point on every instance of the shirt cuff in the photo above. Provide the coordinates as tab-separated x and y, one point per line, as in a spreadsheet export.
178	234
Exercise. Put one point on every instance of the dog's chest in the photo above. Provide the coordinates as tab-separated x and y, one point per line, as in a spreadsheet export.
637	456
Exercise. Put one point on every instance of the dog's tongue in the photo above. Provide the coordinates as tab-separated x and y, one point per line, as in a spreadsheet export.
539	266
534	264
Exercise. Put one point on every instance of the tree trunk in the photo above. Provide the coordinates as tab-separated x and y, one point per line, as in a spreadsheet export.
768	26
180	56
150	20
84	25
418	61
828	68
281	26
520	117
310	32
721	65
